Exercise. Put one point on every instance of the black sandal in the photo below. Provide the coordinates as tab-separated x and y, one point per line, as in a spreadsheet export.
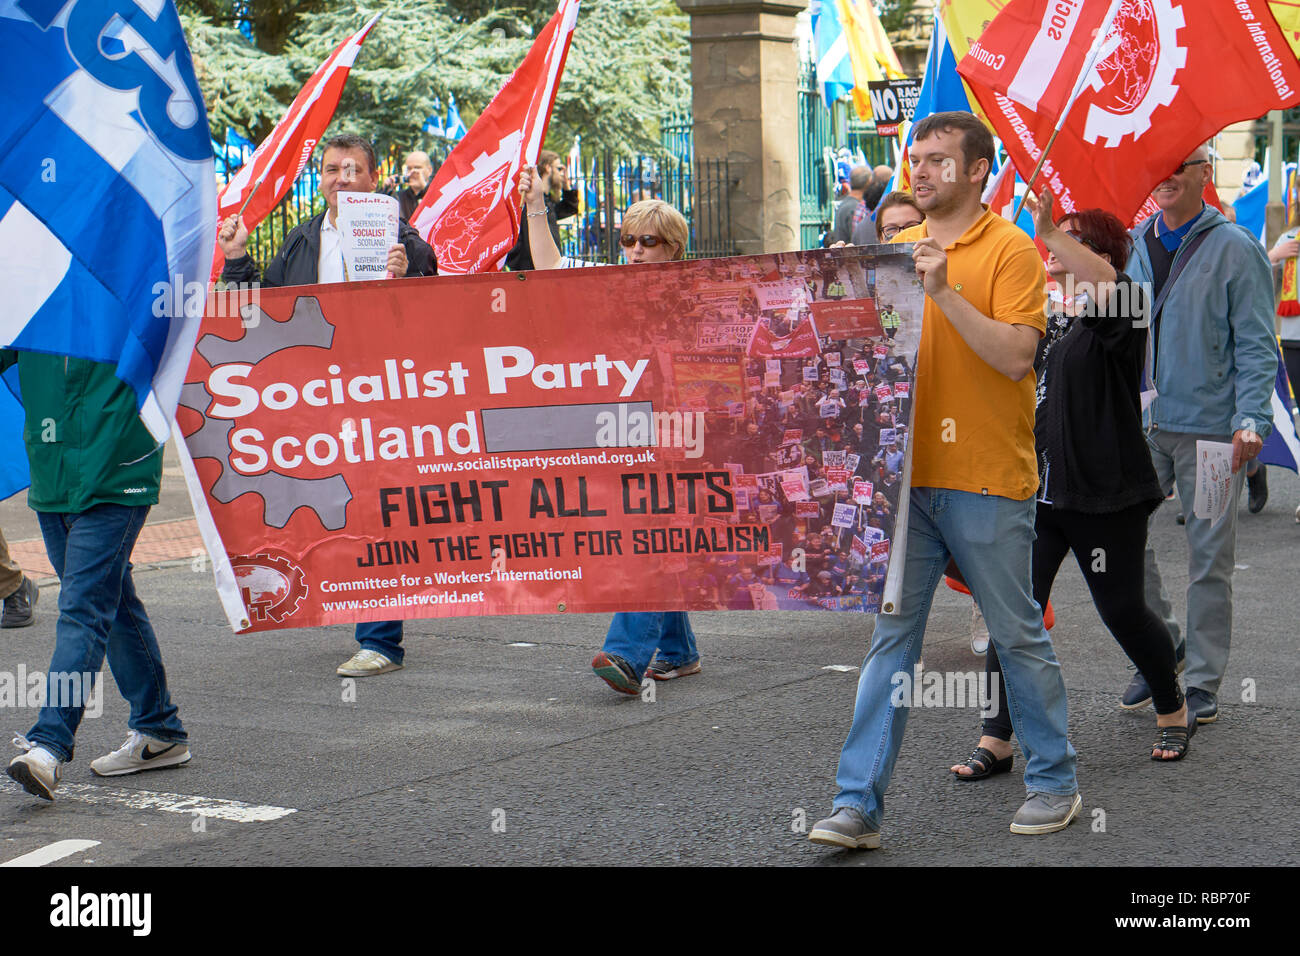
1177	739
984	764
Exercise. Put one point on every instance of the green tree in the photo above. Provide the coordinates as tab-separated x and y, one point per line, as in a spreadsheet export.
629	63
894	14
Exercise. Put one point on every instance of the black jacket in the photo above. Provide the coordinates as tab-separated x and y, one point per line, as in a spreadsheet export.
298	259
1088	426
520	257
407	200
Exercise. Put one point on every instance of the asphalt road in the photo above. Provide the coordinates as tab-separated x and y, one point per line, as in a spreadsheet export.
479	752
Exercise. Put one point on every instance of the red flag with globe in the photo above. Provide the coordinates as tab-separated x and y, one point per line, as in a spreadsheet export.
470	212
1170	74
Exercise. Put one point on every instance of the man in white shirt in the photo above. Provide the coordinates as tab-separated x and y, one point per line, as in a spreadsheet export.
313	253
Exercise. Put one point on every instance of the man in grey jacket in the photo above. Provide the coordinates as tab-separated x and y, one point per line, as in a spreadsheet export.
1212	360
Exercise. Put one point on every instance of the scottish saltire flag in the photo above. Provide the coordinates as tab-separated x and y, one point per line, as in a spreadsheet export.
831	51
1282	446
1250	205
14	476
455	126
107	190
434	125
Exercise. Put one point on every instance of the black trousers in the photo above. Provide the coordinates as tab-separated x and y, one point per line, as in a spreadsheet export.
1109	550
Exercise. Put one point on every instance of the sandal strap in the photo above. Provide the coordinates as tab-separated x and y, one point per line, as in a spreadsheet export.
981	760
1172	738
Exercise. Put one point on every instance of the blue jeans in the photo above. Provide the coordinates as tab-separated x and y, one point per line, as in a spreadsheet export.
100	614
636	635
992	537
382	636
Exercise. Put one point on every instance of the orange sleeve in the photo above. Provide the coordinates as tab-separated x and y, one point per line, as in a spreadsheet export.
1020	287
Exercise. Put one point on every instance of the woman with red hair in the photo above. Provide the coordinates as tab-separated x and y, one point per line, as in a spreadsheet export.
1097	485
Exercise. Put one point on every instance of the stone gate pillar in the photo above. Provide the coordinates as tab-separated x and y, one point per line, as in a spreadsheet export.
745	75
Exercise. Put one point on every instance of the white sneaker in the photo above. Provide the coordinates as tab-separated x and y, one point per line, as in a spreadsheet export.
367	663
140	753
35	769
979	631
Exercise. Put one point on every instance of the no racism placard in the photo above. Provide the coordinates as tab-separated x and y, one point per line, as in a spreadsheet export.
552	441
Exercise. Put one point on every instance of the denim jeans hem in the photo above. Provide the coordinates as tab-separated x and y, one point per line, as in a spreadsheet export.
167	737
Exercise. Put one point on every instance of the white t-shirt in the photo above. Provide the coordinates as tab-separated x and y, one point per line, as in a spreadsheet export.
568	263
329	267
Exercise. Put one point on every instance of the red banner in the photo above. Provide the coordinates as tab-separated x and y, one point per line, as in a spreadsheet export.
1172	74
359	455
802	344
858	317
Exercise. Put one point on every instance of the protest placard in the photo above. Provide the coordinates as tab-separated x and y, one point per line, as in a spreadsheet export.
370	452
367	224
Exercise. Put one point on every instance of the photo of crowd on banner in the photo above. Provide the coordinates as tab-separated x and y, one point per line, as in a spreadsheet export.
803	373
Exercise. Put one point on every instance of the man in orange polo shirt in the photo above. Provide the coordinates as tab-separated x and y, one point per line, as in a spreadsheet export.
973	483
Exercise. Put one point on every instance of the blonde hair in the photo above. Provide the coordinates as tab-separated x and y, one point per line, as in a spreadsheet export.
660	218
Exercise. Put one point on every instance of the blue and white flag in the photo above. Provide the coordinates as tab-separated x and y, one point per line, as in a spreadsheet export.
1252	200
831	49
455	128
1282	446
107	190
941	91
434	125
239	149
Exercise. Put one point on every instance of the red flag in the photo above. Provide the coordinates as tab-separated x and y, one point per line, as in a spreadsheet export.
1000	193
803	343
470	212
1183	68
270	174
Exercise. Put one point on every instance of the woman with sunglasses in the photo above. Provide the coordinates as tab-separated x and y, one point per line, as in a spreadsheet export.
652	231
1097	485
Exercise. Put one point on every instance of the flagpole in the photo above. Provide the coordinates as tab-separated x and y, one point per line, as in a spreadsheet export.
1098	42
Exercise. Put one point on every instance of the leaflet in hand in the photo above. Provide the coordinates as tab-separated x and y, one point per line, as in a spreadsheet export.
368	226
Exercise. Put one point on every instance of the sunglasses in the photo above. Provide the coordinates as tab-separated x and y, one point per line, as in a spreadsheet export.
889	232
1182	167
1078	237
649	242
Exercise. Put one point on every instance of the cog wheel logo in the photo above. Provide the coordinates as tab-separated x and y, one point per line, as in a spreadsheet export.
281	494
1139	74
271	585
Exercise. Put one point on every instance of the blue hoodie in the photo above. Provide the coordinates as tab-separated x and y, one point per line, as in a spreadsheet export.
1217	355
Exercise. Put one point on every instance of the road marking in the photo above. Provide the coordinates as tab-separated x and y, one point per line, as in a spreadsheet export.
48	854
214	807
839	668
521	644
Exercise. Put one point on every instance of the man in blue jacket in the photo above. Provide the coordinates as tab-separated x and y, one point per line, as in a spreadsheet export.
1212	361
